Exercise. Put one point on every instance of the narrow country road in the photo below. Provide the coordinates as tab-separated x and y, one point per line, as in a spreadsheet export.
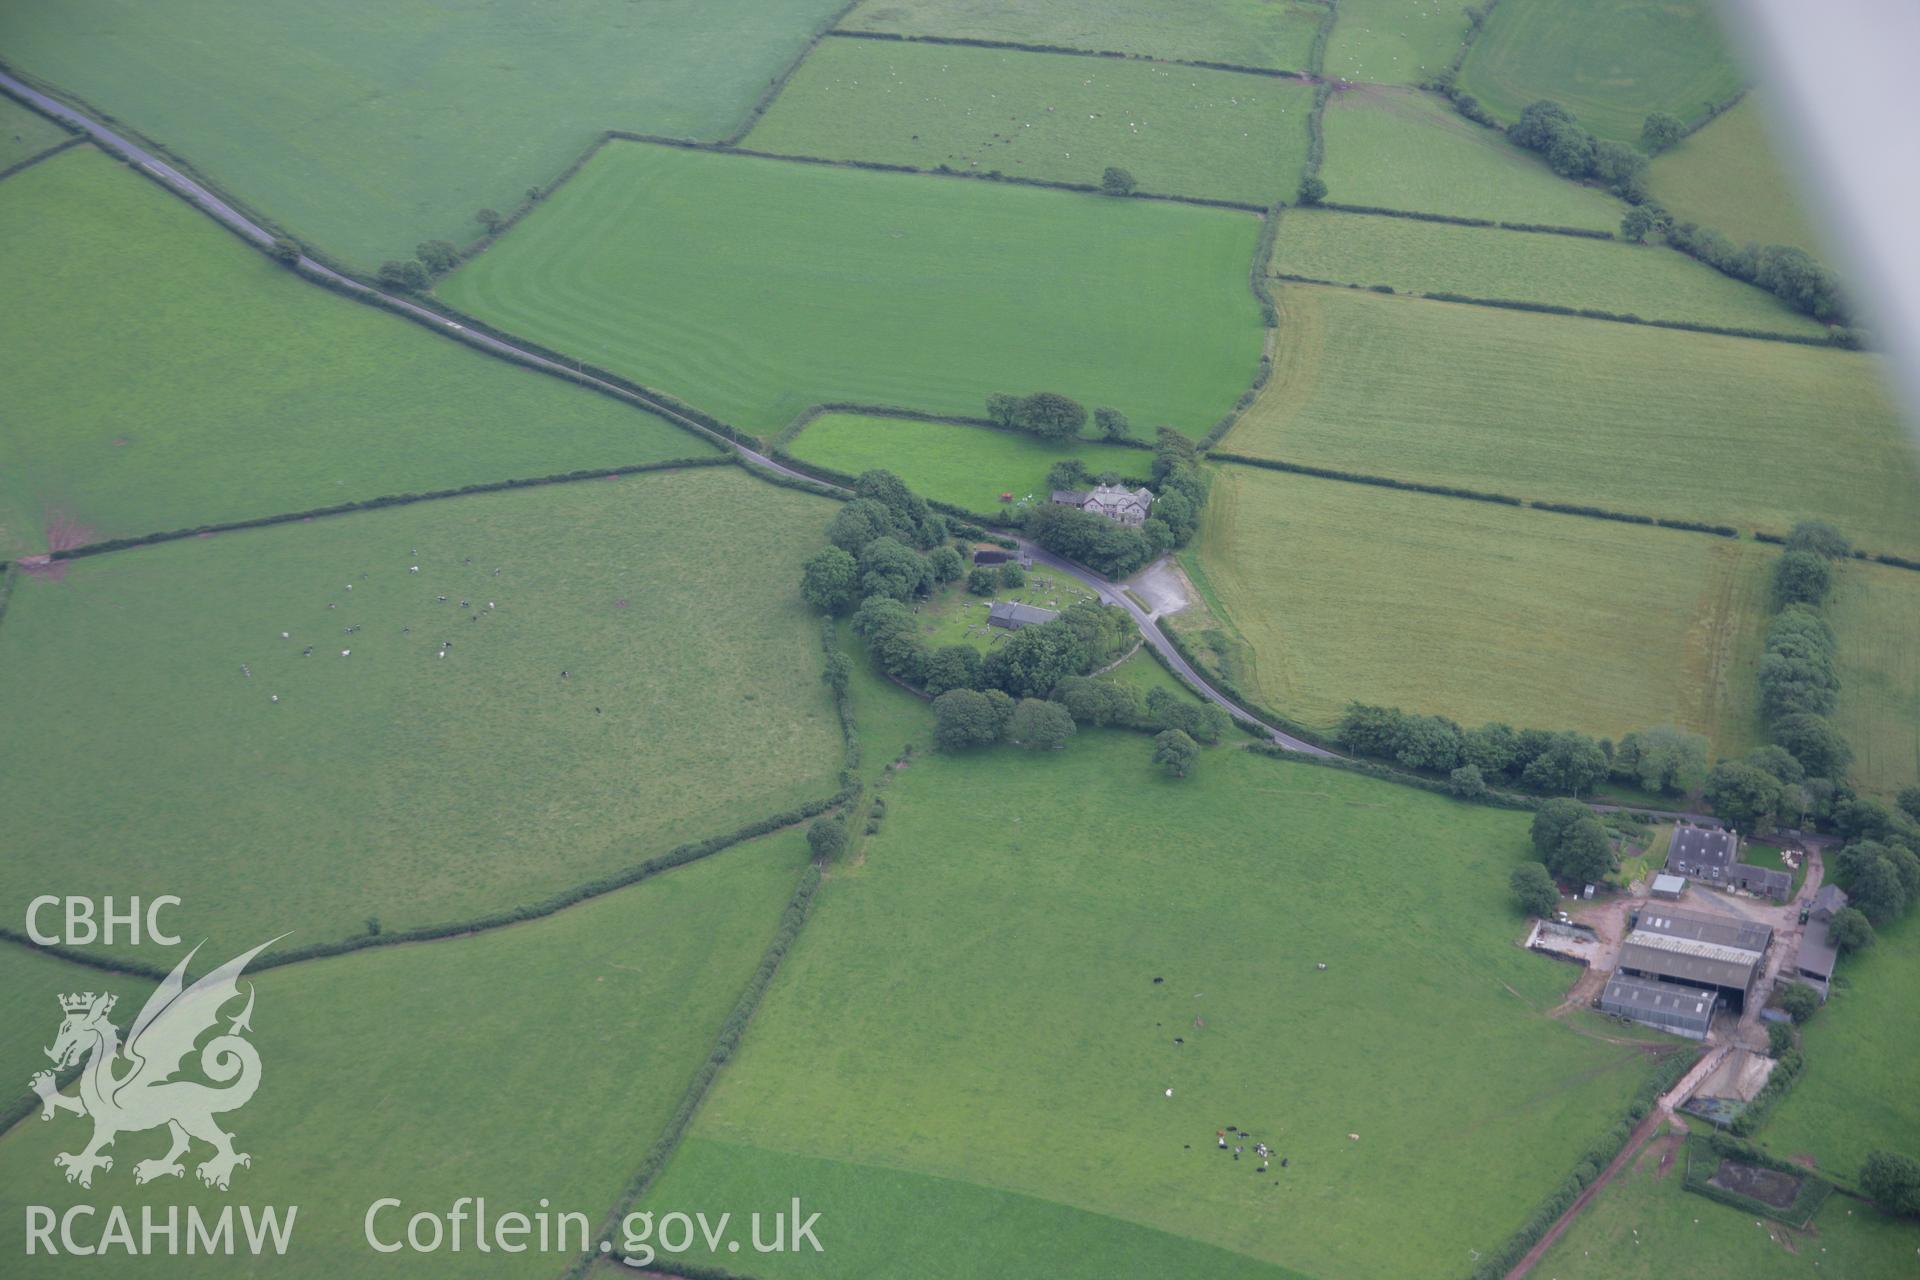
225	213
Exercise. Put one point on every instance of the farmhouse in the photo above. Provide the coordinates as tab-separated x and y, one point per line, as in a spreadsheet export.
1123	506
1702	853
1697	951
1685	1011
1814	963
1012	615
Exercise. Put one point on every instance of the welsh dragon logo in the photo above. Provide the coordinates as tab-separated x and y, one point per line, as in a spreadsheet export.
129	1087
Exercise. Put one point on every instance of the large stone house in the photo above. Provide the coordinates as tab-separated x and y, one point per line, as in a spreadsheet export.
1121	505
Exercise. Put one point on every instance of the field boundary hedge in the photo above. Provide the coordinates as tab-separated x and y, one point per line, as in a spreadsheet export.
938	171
1714	111
389	500
1496	1262
1498	499
1021	46
1834	338
1530	228
1492	799
779	83
67	144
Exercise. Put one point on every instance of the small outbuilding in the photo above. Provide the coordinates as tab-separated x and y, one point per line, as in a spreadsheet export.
1767	882
1827	903
1668	886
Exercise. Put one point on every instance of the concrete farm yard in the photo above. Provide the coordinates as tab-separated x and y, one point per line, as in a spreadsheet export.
865	601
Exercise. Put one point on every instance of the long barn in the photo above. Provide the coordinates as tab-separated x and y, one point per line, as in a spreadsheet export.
1722	954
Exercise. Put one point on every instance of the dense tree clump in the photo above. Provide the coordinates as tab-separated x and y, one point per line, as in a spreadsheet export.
1534	891
1039	725
1800	1001
1175	752
403	274
1788	273
1311	191
970	718
1893	1182
437	256
1572	842
1665	759
826	837
1117	182
1046	414
1550	129
1661	130
1562	763
830	580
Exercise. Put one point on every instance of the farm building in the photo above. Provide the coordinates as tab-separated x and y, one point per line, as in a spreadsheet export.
1697	951
1767	882
1685	1011
1702	853
1012	615
991	555
1814	964
1827	902
1117	503
1669	886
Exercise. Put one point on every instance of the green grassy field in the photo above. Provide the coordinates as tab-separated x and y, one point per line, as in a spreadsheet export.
29	981
976	1002
1402	149
161	376
1249	33
1643	1226
1632	418
1876	615
1730	176
1484	262
1394	41
395	783
540	1061
967	466
1178	130
1611	62
25	133
957	616
887	1221
773	286
1860	1050
370	126
1482	612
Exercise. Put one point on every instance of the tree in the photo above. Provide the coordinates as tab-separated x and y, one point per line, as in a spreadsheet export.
1533	889
1800	1001
889	567
1893	1182
1311	191
1909	802
956	666
1098	702
1467	782
284	251
1779	762
967	718
1012	576
1117	182
826	837
1111	423
1801	577
830	581
1584	855
438	256
1850	930
1033	660
1490	748
1038	725
1661	130
489	221
859	522
1815	743
403	275
1877	890
1636	224
1779	1038
1551	822
1050	415
1175	752
1745	798
1567	763
1820	538
946	563
1663	759
1002	408
1428	742
983	581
